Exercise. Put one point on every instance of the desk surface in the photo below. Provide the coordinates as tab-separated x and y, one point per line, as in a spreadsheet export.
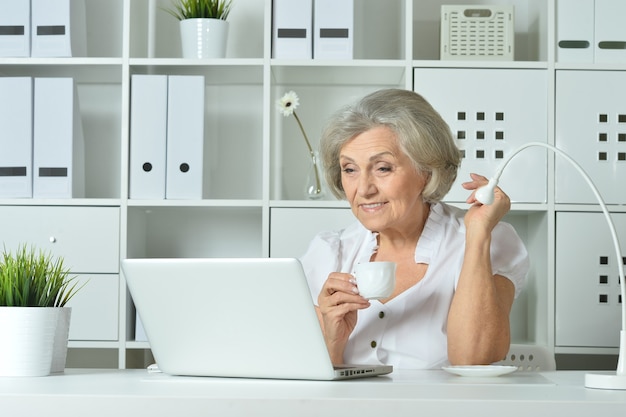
139	393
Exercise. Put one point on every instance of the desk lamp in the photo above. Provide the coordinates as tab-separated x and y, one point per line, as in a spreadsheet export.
485	195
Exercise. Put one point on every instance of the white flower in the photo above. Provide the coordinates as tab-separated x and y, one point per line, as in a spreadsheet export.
287	106
288	103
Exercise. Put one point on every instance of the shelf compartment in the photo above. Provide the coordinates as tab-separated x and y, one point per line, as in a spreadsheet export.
292	229
86	237
531	27
99	91
216	72
95	308
322	90
83	70
379	29
592	132
531	308
233	126
484	110
104	24
588	300
324	73
155	33
188	232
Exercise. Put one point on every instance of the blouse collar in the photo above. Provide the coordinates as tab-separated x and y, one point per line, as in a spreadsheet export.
426	244
430	235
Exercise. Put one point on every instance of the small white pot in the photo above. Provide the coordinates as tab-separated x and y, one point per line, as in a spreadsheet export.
203	38
27	340
61	337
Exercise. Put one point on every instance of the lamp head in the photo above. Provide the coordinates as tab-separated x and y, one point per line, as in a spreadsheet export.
485	194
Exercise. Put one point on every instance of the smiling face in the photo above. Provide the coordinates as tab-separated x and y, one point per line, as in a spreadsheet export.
382	185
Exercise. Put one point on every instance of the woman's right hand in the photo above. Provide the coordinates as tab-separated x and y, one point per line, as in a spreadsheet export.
338	303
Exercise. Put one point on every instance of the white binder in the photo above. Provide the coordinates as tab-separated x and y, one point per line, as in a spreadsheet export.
148	129
58	145
334	29
574	31
610	31
58	28
292	23
14	28
185	137
16	139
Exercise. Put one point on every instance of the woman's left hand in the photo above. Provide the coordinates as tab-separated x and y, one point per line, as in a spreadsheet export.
486	215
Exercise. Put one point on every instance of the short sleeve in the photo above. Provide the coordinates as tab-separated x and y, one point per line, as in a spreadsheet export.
320	259
509	256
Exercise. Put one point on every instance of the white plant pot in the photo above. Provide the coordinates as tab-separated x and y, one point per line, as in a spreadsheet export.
27	340
61	337
203	38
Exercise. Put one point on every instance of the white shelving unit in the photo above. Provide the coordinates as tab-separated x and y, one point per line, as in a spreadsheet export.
253	202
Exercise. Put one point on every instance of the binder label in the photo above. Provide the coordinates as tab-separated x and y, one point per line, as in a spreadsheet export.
52	172
292	33
334	33
12	171
54	30
11	30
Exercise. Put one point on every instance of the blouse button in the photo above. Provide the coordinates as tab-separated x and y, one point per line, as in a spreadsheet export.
381	315
373	344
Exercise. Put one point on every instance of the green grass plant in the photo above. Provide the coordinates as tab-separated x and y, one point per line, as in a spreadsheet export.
34	278
200	9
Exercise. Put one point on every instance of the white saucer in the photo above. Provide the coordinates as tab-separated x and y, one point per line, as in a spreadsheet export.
480	370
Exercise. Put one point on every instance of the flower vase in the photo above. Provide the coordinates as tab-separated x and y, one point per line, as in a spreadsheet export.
315	189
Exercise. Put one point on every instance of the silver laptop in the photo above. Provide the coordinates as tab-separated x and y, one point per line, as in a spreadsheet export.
250	318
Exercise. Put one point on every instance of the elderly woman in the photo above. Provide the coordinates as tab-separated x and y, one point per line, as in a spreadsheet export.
393	158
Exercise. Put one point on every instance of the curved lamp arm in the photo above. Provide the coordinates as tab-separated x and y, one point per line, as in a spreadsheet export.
485	195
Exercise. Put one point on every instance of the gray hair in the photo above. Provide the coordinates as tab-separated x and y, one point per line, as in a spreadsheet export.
422	135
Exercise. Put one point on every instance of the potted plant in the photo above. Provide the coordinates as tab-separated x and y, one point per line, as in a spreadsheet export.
203	26
34	320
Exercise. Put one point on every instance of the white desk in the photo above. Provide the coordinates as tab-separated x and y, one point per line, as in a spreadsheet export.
136	393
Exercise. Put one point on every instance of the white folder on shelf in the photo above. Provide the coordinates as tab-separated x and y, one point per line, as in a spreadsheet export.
58	28
185	137
574	31
610	31
58	143
334	29
148	130
14	28
16	138
292	23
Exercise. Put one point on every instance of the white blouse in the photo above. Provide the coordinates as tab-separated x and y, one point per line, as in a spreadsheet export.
409	331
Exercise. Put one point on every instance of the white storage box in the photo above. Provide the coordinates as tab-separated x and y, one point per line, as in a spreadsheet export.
477	32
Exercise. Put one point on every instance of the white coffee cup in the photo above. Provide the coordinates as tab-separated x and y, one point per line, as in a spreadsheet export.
375	280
